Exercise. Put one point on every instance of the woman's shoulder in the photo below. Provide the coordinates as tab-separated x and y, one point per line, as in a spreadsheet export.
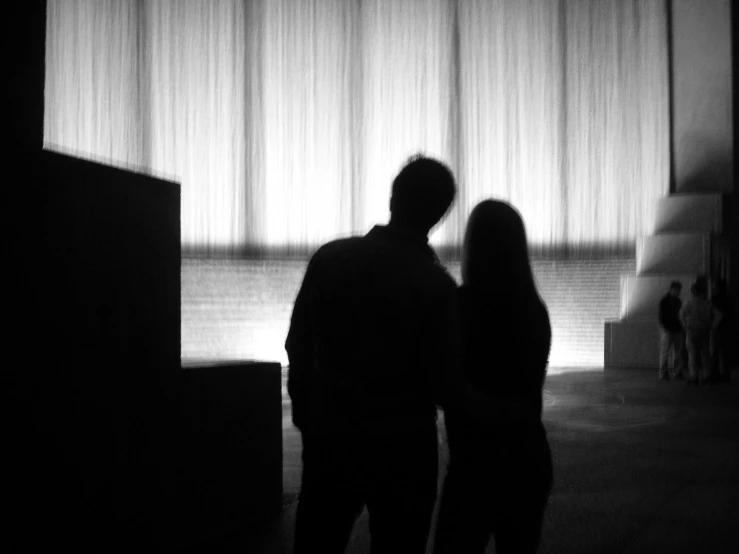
542	310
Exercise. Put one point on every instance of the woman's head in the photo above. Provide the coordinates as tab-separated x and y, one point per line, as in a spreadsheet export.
495	256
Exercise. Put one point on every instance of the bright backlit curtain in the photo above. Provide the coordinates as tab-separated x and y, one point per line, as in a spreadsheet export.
286	120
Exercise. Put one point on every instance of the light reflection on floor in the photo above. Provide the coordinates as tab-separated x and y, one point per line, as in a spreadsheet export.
591	401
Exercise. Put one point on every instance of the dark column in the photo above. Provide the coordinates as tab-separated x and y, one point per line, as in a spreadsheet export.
704	113
733	201
701	91
25	55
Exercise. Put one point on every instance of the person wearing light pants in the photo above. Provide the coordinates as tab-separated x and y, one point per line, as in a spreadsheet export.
699	318
672	337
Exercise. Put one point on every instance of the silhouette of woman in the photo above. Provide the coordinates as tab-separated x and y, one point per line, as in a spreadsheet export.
500	472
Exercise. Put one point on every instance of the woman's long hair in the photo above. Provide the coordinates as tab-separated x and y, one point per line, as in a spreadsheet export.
495	261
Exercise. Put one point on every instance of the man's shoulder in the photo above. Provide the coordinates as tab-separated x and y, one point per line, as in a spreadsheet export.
421	263
336	247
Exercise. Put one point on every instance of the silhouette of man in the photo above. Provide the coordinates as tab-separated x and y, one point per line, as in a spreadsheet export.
373	348
672	337
699	318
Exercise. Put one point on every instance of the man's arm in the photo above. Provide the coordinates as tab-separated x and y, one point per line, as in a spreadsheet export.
445	356
683	315
452	388
661	315
299	346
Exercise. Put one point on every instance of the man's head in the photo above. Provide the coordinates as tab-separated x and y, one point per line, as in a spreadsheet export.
422	193
675	288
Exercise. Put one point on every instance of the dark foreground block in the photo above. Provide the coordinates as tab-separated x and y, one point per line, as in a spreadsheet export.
91	280
228	475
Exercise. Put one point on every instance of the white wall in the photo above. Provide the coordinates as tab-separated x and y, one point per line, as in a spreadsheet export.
702	95
240	309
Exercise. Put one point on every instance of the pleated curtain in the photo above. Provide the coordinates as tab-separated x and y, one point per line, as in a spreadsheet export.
285	121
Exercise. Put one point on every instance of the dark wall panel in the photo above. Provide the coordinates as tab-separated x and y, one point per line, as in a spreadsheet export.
24	38
94	311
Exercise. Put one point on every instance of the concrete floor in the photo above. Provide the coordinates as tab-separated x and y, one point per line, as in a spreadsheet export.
640	466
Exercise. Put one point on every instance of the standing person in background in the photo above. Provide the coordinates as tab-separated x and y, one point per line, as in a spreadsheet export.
699	319
672	337
723	303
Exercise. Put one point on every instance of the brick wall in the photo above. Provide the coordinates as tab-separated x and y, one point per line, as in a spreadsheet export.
580	295
241	308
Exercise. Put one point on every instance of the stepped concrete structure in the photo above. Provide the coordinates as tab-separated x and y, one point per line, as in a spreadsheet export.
687	240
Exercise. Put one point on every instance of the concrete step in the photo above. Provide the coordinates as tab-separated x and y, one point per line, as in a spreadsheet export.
689	213
640	294
673	253
632	343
